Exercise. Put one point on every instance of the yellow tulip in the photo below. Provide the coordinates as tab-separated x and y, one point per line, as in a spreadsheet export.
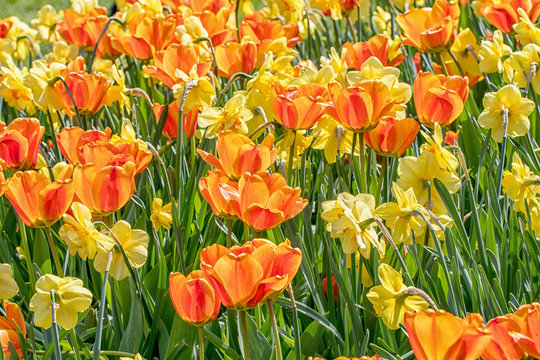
389	299
80	234
519	109
70	299
135	244
8	286
161	215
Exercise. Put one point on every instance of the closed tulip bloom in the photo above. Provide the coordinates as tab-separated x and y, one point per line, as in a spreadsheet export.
135	244
389	299
70	299
221	194
8	286
72	138
194	298
234	57
519	109
104	190
439	99
161	214
299	108
527	336
19	143
80	234
430	30
266	201
504	14
39	202
170	128
502	345
439	335
392	136
9	324
238	154
246	275
360	108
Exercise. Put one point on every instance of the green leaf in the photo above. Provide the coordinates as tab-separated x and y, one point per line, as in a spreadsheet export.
133	334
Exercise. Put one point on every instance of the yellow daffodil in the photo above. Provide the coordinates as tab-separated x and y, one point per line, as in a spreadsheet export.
389	299
13	90
535	217
135	244
465	39
62	52
382	21
161	215
70	298
327	132
526	31
137	357
301	142
80	234
517	67
347	217
491	53
520	184
8	286
400	218
519	109
84	6
37	81
434	144
338	64
197	91
232	116
45	24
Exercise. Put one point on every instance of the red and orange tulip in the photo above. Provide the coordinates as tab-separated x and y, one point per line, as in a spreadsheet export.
502	345
19	143
439	99
170	128
194	298
221	193
299	108
234	57
243	276
378	46
527	324
360	108
265	200
38	202
104	190
504	14
433	29
439	335
71	139
177	58
238	154
217	26
392	136
8	329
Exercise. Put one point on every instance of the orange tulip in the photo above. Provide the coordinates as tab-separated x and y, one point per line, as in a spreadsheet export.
439	335
504	14
527	324
439	99
299	108
145	36
194	298
103	154
170	128
221	193
360	108
88	90
264	31
38	202
334	288
238	154
433	29
392	137
71	139
243	276
197	5
378	46
19	143
8	329
451	138
174	59
234	57
266	201
104	190
502	345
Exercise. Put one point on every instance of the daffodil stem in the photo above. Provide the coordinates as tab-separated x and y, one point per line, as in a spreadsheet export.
200	330
229	233
102	306
382	178
27	256
56	339
460	69
291	160
363	170
297	344
355	135
439	57
54	252
237	18
75	345
503	148
413	291
243	328
275	330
